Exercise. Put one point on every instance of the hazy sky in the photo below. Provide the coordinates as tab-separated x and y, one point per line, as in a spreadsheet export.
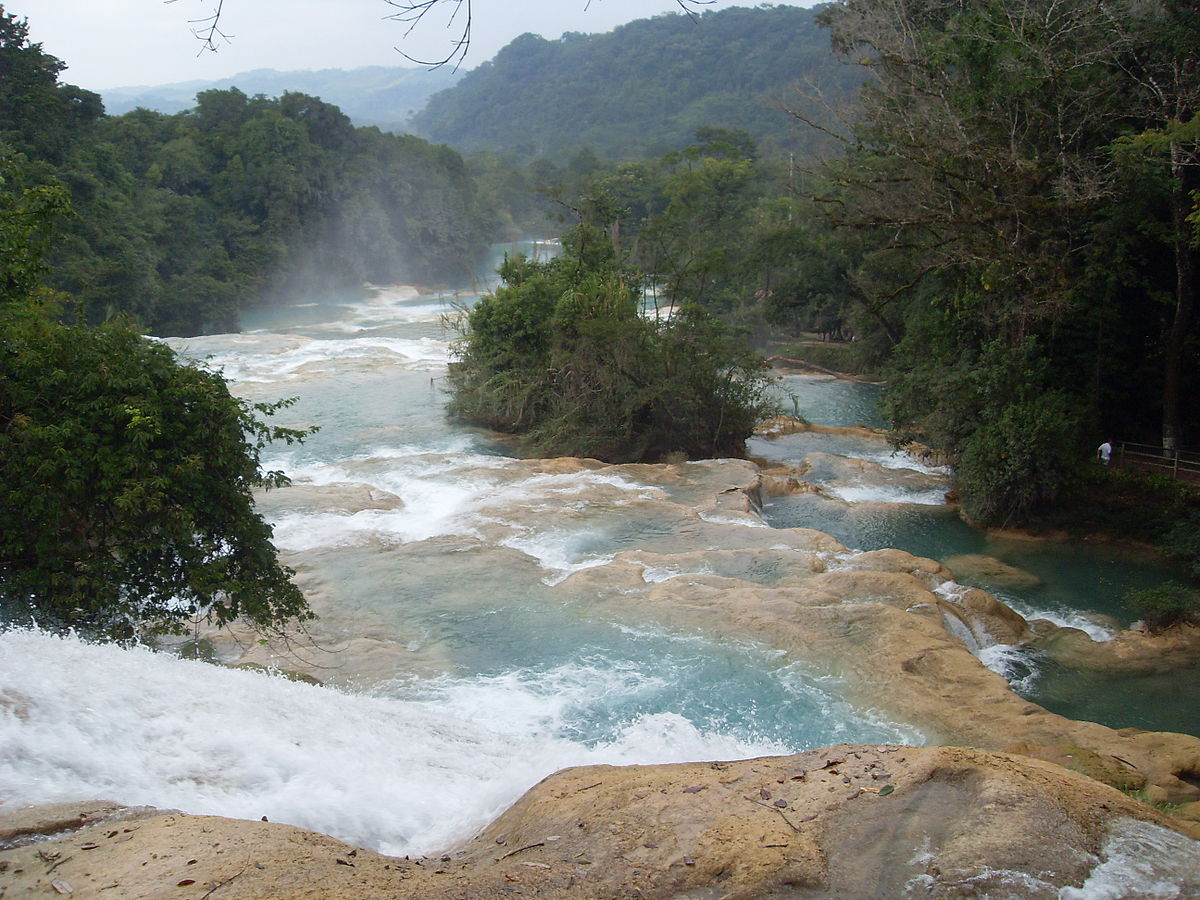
114	43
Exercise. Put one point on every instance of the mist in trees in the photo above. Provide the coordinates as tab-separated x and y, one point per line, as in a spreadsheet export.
182	220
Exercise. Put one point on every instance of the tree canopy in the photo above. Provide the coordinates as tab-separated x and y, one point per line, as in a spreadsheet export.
126	477
562	355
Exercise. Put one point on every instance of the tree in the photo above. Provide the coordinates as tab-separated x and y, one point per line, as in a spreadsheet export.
1162	61
411	13
38	116
561	355
126	492
127	500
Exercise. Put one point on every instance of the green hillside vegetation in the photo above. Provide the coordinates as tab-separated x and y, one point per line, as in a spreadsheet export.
126	504
182	220
644	88
384	96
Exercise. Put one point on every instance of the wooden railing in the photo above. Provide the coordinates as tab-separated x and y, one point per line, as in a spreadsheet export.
1172	463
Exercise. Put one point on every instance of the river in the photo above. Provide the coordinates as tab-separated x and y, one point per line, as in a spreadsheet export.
464	649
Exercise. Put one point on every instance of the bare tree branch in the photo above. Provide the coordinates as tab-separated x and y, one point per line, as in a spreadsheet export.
409	12
207	29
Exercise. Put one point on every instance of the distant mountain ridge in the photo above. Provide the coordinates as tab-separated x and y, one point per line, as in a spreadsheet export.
385	96
644	88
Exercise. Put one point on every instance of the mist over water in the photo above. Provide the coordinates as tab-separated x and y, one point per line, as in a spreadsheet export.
460	663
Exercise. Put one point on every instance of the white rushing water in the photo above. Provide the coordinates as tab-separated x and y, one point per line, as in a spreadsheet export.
401	775
460	665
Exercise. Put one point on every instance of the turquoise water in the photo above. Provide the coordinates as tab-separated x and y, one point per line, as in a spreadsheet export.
464	570
831	401
1074	577
461	662
1076	581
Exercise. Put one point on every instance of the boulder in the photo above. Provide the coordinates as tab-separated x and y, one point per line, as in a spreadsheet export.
991	571
845	821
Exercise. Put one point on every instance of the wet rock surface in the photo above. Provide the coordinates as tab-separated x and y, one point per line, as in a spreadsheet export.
844	821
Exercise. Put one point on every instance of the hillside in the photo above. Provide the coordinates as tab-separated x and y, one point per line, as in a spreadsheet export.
644	88
374	95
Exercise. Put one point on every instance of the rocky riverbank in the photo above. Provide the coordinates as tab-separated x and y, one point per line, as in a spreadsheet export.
846	821
1025	804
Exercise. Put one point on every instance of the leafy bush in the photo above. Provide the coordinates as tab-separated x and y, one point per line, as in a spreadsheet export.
1020	460
1165	605
126	506
561	355
1183	541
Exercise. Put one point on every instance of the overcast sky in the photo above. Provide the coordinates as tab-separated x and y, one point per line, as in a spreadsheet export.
115	43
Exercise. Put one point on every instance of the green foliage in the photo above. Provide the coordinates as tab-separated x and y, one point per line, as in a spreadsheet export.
561	355
1143	796
645	88
1026	291
125	501
1165	605
1182	539
183	220
1015	438
38	116
1023	458
127	505
26	222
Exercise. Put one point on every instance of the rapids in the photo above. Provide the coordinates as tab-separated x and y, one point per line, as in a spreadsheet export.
461	662
460	665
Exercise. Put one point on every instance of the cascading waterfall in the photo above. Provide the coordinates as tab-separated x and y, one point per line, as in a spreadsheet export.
461	663
459	666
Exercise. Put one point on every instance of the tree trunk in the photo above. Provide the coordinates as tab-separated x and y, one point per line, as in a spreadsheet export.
1185	296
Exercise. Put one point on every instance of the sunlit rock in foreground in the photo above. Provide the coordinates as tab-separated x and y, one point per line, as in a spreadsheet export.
845	821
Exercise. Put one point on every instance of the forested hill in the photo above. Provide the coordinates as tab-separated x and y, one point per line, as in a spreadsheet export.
180	221
385	96
644	88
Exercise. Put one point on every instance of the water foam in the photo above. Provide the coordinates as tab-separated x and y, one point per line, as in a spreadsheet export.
885	493
278	361
398	774
1063	618
1014	663
1142	860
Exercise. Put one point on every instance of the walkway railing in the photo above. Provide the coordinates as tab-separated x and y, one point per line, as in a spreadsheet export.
1172	463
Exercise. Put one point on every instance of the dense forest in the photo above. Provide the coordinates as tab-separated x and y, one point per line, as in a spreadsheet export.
181	220
644	88
385	96
1009	232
